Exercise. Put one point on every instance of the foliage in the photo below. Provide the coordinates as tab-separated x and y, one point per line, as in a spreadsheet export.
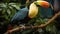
7	10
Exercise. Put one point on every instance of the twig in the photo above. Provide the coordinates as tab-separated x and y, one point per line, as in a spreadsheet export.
53	18
33	27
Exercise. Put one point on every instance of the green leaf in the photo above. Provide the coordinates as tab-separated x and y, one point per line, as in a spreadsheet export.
10	7
51	28
8	11
3	11
3	5
17	6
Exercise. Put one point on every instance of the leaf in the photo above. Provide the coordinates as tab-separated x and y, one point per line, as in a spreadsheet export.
8	11
12	3
40	30
3	11
3	5
51	28
10	7
17	6
13	11
6	17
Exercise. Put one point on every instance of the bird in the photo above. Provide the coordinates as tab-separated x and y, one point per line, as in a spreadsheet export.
26	14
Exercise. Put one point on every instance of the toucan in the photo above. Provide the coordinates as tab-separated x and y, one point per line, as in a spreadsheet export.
26	14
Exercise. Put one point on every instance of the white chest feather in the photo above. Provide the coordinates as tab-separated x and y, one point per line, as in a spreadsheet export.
33	11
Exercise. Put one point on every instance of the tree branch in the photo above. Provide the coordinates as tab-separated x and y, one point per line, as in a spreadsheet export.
53	18
34	27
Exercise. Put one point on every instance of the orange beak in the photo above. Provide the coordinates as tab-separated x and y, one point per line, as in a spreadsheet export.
44	4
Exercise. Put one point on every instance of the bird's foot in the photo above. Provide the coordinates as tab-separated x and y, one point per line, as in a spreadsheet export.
22	26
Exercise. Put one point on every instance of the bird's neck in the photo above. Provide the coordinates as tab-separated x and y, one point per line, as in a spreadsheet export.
33	10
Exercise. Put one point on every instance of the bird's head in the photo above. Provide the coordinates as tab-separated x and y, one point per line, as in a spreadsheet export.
44	4
33	8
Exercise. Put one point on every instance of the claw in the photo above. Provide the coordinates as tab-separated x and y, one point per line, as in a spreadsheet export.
22	26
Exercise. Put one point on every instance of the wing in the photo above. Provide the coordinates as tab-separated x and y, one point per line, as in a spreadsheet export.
21	14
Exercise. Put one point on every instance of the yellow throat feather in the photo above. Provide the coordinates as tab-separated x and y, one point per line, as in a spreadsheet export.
33	11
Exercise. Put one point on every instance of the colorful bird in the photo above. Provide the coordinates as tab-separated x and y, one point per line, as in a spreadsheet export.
25	14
